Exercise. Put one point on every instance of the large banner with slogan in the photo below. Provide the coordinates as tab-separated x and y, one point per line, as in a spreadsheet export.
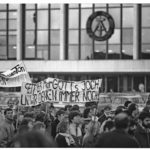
15	76
57	90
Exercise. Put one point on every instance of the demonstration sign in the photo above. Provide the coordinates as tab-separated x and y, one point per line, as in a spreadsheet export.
14	77
57	90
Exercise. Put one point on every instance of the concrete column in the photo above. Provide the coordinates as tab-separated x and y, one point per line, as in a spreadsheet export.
63	32
137	31
19	33
125	83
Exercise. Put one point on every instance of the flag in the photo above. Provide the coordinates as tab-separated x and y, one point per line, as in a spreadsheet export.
15	76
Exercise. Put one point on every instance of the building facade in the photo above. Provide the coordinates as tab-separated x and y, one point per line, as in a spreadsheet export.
52	41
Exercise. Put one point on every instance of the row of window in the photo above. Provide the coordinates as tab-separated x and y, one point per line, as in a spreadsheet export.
42	32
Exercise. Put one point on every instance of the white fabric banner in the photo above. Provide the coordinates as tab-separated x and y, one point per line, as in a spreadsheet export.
15	76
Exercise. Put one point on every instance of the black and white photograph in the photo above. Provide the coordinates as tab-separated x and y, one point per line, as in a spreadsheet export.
74	75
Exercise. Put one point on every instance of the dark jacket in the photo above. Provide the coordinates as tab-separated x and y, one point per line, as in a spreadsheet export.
116	139
142	136
64	140
54	127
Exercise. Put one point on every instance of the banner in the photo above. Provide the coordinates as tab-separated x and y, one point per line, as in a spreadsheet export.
57	90
15	76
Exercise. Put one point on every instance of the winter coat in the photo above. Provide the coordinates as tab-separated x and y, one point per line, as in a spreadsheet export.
143	136
6	133
116	139
64	140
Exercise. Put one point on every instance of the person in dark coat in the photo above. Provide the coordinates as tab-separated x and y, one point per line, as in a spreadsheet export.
119	138
59	117
63	138
142	133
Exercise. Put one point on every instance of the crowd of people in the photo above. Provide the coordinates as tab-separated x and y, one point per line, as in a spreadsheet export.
124	127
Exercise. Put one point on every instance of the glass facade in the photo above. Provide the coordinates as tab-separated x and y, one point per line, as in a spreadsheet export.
42	39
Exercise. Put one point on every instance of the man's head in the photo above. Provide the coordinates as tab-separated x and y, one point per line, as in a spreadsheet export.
109	126
60	114
144	117
122	121
8	114
75	117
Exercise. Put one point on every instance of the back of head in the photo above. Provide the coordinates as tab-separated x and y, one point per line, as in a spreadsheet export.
40	116
144	115
38	125
33	139
121	121
109	124
126	104
29	115
86	112
75	108
131	108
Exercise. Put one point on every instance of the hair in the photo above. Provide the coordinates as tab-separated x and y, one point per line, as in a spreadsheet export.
67	106
75	108
73	114
62	127
131	108
38	125
109	124
40	116
144	115
25	121
33	139
59	112
86	112
23	127
121	121
146	109
126	104
6	110
29	114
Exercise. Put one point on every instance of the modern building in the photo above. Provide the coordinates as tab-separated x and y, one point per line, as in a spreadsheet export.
52	41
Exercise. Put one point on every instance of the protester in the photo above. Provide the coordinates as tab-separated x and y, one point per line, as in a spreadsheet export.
59	117
118	138
63	138
92	131
133	111
7	128
75	127
132	127
33	139
26	125
39	126
142	133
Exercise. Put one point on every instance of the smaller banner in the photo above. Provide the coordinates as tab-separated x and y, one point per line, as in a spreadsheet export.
15	76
